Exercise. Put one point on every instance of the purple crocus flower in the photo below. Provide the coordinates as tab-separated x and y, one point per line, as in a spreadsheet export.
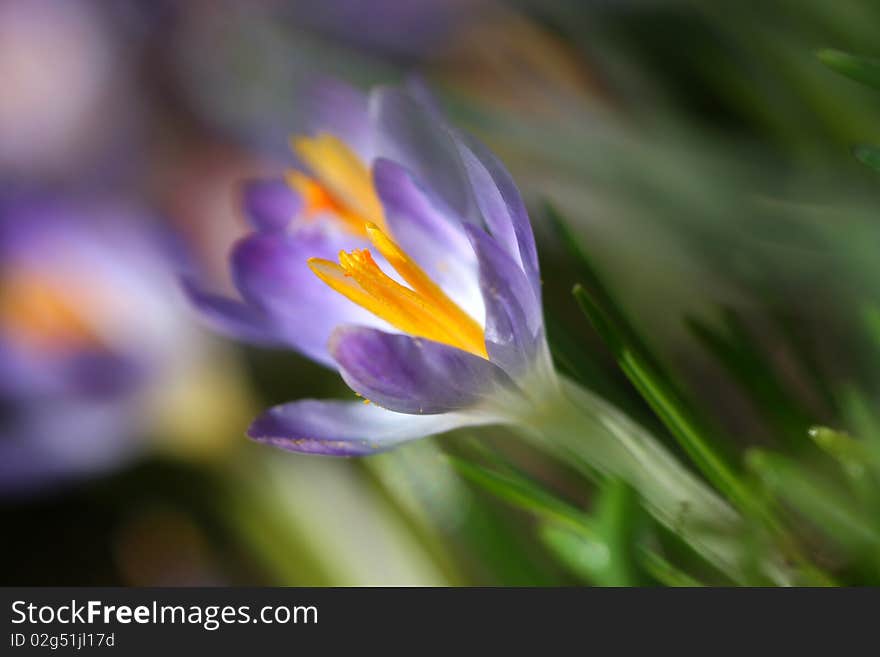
398	252
86	325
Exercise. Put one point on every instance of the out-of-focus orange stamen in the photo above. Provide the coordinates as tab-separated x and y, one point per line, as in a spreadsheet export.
340	184
37	313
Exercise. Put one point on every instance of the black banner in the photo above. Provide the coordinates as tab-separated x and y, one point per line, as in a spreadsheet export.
116	621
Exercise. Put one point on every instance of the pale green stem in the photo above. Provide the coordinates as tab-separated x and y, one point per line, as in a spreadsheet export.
591	434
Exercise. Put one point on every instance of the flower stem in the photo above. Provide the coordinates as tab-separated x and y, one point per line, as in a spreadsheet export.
592	435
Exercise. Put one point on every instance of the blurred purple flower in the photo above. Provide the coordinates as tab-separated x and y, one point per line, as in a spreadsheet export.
86	323
441	327
67	107
420	28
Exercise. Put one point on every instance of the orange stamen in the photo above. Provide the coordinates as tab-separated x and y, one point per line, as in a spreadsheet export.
341	184
37	313
423	310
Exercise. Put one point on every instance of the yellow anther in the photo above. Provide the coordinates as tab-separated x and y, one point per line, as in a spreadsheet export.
423	310
341	173
455	320
341	185
317	200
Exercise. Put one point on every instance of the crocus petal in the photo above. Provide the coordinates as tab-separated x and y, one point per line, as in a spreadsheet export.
419	91
409	202
337	108
501	206
430	232
514	326
340	428
272	274
413	375
270	204
269	269
25	374
56	440
231	317
406	132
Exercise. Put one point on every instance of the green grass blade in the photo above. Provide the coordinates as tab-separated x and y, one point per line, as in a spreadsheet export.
602	548
871	318
839	445
664	572
641	368
662	395
592	281
664	401
868	155
741	356
855	459
861	69
823	504
523	493
620	518
586	270
586	557
861	414
576	363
